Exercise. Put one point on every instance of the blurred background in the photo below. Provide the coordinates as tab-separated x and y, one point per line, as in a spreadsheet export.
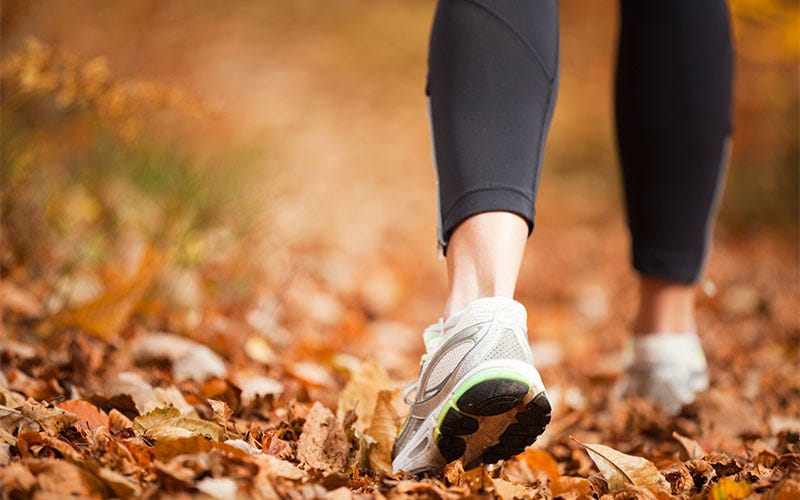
238	170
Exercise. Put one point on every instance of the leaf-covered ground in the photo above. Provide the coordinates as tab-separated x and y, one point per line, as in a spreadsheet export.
140	374
241	408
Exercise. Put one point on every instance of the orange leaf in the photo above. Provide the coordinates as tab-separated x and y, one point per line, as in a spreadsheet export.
87	412
540	460
106	315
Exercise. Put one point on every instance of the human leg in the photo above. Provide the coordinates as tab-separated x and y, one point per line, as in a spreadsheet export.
673	100
491	82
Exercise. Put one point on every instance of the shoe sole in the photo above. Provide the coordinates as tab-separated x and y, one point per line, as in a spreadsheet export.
487	395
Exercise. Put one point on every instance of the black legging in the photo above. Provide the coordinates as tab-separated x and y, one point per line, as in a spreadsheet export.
492	81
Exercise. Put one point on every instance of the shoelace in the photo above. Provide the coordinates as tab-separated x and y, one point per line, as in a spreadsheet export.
433	336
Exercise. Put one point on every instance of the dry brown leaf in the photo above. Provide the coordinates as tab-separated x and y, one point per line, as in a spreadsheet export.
5	454
107	314
52	420
118	422
253	387
87	412
690	449
620	469
322	444
170	396
133	385
66	479
384	431
16	480
14	421
453	472
222	412
11	399
361	393
169	447
163	423
281	468
506	490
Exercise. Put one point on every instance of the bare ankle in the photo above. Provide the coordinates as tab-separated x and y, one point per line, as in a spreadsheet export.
665	306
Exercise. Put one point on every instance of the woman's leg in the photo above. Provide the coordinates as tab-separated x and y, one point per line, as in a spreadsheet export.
673	109
492	79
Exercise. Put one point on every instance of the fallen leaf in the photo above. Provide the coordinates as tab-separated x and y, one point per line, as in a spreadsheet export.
222	488
253	387
5	454
11	399
190	360
728	489
170	396
129	384
16	480
281	468
117	422
361	393
690	449
19	300
620	469
258	349
571	487
65	479
322	444
105	315
52	420
14	421
221	412
384	431
506	490
87	412
541	460
162	423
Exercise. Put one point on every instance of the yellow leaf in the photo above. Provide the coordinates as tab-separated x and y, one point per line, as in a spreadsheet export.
621	470
361	393
106	315
383	430
728	489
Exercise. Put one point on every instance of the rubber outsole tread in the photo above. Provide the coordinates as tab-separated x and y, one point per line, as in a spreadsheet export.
458	424
492	397
451	447
531	423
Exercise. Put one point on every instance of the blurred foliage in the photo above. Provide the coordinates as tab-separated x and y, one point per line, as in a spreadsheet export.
764	183
90	182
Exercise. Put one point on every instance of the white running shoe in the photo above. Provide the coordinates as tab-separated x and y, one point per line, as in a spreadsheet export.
670	368
478	395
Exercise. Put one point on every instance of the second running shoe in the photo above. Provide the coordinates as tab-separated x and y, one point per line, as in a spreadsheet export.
478	395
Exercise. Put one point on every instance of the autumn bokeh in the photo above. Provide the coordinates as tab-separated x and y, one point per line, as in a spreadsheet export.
256	176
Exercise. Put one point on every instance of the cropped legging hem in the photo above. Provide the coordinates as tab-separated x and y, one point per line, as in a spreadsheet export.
486	199
668	265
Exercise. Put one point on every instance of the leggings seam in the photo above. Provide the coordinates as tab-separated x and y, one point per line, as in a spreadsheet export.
516	33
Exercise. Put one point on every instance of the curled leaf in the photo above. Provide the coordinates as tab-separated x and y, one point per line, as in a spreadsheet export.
621	470
384	431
